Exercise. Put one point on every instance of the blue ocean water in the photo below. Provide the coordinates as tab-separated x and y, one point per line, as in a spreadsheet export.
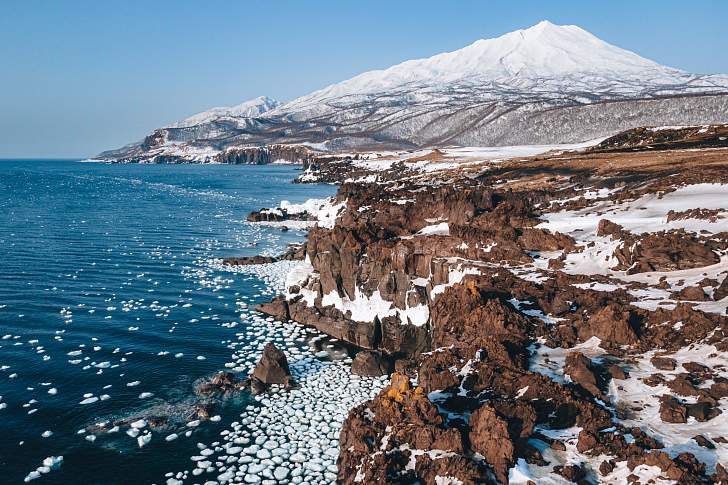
103	284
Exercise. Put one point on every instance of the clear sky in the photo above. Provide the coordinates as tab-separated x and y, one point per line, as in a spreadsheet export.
79	77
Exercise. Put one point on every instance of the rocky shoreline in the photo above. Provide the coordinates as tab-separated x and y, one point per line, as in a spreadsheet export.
550	319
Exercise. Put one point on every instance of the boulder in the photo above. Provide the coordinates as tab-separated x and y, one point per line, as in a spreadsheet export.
371	363
721	291
663	363
692	293
662	251
248	260
613	325
672	410
489	436
583	372
276	308
272	368
220	383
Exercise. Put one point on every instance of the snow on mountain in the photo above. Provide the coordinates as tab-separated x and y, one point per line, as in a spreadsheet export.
247	109
542	51
544	85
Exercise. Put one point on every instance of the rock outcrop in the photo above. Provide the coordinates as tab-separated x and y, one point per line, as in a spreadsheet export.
272	368
514	330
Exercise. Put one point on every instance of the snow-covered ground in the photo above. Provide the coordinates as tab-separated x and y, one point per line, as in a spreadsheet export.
446	158
646	214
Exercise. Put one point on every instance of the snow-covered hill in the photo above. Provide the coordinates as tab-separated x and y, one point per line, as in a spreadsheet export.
542	85
247	109
563	55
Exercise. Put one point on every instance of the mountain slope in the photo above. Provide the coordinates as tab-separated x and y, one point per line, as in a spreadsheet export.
546	84
247	109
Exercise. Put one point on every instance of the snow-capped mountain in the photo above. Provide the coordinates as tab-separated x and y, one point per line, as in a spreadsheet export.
566	54
542	85
247	109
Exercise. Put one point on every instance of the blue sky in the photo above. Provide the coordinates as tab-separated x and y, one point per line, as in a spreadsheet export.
78	77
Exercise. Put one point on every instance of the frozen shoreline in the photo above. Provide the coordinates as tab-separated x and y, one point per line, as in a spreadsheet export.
286	436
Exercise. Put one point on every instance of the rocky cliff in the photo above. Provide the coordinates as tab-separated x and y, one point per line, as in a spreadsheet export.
555	318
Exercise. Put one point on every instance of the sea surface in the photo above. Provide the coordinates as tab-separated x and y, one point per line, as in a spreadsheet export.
110	307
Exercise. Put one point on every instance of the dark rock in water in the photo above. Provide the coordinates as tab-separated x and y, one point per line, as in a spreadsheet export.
202	411
248	260
279	215
277	308
257	386
157	421
220	383
272	368
371	363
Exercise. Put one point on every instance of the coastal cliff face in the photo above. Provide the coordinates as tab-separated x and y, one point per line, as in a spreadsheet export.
552	319
156	151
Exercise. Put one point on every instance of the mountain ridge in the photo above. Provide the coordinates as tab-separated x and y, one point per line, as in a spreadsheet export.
545	84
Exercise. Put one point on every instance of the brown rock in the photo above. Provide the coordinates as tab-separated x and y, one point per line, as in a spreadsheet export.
277	308
672	411
704	442
696	368
702	411
272	368
558	445
222	383
663	251
586	442
257	386
609	228
533	239
489	436
663	363
606	467
721	291
692	293
582	372
573	473
617	372
248	260
720	477
613	325
371	363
